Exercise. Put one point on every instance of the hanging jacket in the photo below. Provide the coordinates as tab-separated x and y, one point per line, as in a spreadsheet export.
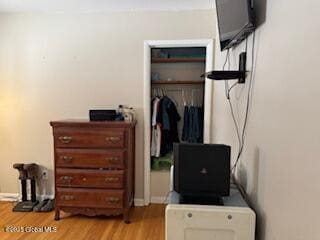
170	118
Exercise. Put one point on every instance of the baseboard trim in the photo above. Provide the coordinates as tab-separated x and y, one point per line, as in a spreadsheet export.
139	202
159	200
9	197
13	197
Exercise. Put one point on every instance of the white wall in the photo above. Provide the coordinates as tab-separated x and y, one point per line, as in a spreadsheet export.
58	66
160	186
280	165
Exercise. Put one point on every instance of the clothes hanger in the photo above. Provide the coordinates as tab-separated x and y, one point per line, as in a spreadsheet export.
172	98
183	98
198	98
192	96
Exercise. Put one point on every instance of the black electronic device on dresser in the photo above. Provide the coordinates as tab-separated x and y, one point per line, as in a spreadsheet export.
201	172
102	115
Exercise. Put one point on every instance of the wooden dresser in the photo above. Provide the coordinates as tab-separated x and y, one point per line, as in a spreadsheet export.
94	167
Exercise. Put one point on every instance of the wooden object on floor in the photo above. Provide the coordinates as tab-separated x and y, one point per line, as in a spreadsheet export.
94	167
147	223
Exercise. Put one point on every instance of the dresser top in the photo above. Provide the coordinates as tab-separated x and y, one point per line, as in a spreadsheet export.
85	122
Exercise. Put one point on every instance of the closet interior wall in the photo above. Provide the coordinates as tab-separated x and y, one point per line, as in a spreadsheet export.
180	81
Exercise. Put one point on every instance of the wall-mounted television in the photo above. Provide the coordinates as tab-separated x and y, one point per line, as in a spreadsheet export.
235	21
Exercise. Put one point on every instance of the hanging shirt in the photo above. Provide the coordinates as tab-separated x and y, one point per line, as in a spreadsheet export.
155	141
185	129
155	128
155	108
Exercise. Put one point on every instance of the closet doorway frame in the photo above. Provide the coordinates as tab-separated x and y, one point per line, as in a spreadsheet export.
148	45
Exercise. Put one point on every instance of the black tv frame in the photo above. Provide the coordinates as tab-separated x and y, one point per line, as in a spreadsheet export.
243	33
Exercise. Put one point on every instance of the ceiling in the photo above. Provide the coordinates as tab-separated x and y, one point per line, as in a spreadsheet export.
101	5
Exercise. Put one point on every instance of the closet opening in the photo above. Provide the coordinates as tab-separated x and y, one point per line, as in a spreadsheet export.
177	98
177	106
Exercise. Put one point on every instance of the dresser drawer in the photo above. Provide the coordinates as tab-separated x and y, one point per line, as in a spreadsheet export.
89	178
90	158
89	138
93	198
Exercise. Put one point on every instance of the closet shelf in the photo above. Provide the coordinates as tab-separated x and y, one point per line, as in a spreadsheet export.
178	82
178	60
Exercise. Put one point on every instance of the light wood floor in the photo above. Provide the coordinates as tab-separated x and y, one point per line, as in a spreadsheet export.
147	223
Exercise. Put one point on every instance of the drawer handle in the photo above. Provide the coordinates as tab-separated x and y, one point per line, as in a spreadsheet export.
113	139
67	197
112	200
67	159
65	139
66	178
112	179
112	159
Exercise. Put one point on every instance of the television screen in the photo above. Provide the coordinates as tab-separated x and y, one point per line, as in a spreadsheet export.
235	21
